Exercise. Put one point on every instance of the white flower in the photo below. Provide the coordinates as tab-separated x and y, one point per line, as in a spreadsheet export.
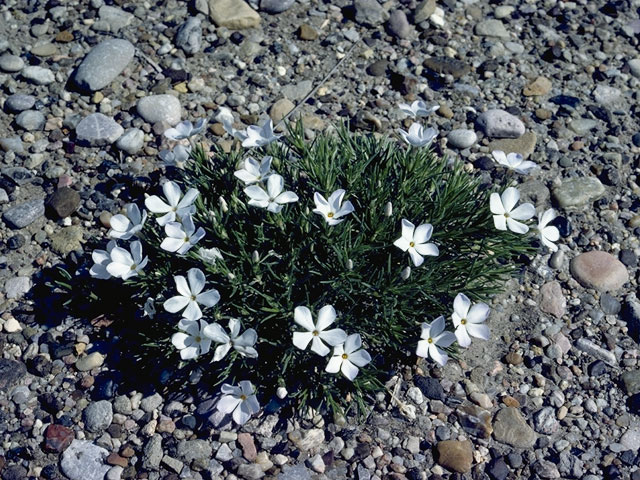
469	319
123	227
254	172
514	161
149	308
125	265
181	236
406	273
185	129
225	117
102	258
414	240
417	136
317	333
209	255
191	295
388	209
260	136
433	337
241	401
176	208
178	157
505	215
348	357
273	198
243	344
418	109
548	233
192	343
333	208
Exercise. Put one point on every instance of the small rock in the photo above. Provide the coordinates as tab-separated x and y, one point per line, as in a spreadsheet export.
131	141
430	387
525	145
545	469
498	469
596	351
98	130
461	138
233	14
98	416
491	28
631	439
248	446
12	144
190	450
83	460
104	63
552	299
189	36
577	192
369	13
317	464
89	362
606	95
64	201
38	75
276	6
11	372
172	463
544	421
44	50
115	18
399	25
424	11
306	32
599	270
634	67
510	427
150	403
11	325
57	438
307	440
152	453
378	68
17	287
540	86
500	124
448	66
631	380
160	108
455	455
610	305
66	240
582	126
280	109
24	214
19	103
11	63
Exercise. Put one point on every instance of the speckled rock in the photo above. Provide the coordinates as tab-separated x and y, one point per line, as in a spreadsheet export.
510	427
500	124
577	192
84	461
104	63
98	130
552	299
233	14
160	108
455	455
25	213
599	270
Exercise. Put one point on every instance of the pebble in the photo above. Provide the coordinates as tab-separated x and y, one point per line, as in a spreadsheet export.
31	120
500	124
503	11
150	403
104	63
539	87
131	141
115	18
38	75
455	455
544	421
98	130
89	362
11	63
98	416
552	299
609	304
307	440
57	438
83	460
233	14
461	138
606	95
11	371
491	28
582	126
599	270
545	469
152	453
634	67
631	381
307	32
596	351
276	6
578	191
448	66
12	144
189	36
424	10
25	213
369	13
160	108
19	102
430	387
190	450
17	287
510	427
280	109
399	25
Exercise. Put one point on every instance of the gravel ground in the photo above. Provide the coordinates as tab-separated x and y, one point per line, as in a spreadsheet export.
87	88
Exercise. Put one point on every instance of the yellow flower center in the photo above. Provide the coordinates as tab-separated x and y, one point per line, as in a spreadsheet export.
430	340
186	239
412	244
345	356
315	333
330	214
198	339
243	397
463	321
506	215
133	267
193	297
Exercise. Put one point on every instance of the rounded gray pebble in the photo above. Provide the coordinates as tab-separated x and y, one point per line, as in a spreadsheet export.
31	120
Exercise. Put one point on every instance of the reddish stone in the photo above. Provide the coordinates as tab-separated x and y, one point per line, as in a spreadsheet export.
115	459
57	438
127	451
248	446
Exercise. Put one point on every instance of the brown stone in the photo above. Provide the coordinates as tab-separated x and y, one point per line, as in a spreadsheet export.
543	114
524	145
115	459
307	32
509	401
552	299
64	201
455	455
445	111
248	446
475	420
540	86
510	427
57	438
513	358
64	36
127	451
599	270
233	14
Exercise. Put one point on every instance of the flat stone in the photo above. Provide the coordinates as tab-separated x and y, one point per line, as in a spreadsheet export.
115	17
307	440
64	201
297	91
630	440
545	469
631	381
11	372
89	362
103	64
38	75
424	10
430	387
276	6
97	416
448	66
295	472
280	109
248	446
634	67
500	124
150	403
172	463
491	28
152	453
44	50
540	86
189	36
475	420
455	455
190	450
582	126
84	461
399	25
160	108
369	13
307	32
18	175
12	144
24	214
606	95
461	138
233	14
545	422
57	438
599	270
31	120
98	130
19	102
510	427
250	471
577	192
17	287
67	239
524	145
552	299
11	63
596	351
131	141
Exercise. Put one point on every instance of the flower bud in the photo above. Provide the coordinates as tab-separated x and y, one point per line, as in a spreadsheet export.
388	209
231	276
349	264
281	392
406	273
223	204
306	210
255	256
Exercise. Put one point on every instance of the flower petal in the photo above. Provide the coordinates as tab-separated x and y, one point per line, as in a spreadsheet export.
423	349
352	343
228	403
478	313
334	337
407	229
495	204
241	415
275	185
500	222
445	339
516	226
155	205
221	351
286	197
188	198
523	212
430	249
319	347
349	370
416	257
182	286
479	330
216	333
208	298
509	198
301	339
302	316
422	233
197	280
189	353
436	327
439	356
360	358
326	316
461	305
402	243
335	362
257	193
179	340
175	304
192	312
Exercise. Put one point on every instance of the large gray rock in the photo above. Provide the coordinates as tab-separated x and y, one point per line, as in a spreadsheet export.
152	453
31	120
498	123
19	102
160	108
276	6
98	416
578	191
11	372
97	129
84	461
24	214
510	427
38	75
104	63
189	36
370	13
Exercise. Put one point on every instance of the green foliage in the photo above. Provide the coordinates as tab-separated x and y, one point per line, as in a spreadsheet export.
300	260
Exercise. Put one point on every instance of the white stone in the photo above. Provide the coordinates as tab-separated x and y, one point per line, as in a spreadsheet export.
160	108
84	461
462	138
